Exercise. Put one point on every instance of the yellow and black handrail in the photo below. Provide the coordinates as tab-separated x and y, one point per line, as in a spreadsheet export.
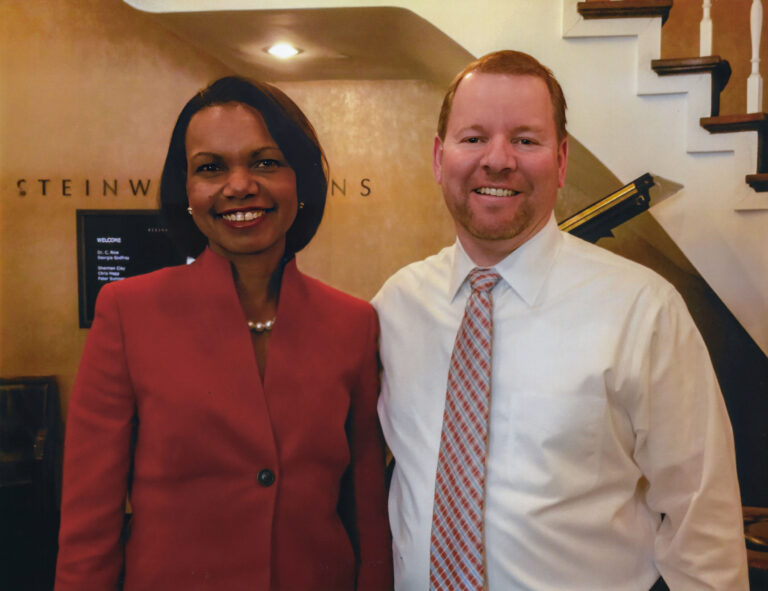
597	220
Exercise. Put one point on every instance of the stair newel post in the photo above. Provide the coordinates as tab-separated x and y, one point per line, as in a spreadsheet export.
755	82
705	30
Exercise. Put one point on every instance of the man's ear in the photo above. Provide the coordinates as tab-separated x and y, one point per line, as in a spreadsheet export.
562	161
437	159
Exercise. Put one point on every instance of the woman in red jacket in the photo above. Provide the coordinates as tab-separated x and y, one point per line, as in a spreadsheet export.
249	388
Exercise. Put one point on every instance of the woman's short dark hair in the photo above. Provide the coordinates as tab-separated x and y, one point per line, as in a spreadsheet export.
287	125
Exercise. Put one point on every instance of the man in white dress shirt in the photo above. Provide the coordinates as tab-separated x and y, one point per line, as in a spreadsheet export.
610	454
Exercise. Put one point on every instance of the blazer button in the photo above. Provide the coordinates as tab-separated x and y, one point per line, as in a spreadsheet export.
266	477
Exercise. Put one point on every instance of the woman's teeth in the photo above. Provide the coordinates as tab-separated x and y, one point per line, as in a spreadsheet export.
243	216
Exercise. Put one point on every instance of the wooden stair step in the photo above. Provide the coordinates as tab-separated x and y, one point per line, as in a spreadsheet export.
729	123
749	122
625	9
759	182
713	64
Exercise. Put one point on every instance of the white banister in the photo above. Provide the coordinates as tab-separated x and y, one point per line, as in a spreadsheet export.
755	82
705	30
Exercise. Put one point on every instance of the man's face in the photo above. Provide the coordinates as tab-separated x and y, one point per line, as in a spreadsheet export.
500	164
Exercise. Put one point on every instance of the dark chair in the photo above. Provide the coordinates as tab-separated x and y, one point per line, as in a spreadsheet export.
30	477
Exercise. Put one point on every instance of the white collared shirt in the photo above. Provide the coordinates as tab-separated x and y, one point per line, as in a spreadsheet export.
605	414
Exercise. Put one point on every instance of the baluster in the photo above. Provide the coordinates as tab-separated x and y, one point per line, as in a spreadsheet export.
755	82
705	30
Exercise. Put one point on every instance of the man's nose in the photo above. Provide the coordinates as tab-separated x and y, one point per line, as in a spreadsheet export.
241	182
499	155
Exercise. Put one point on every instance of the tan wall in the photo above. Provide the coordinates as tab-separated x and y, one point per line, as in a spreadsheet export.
90	91
381	131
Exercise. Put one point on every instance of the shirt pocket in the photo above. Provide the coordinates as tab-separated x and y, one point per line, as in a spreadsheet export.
550	438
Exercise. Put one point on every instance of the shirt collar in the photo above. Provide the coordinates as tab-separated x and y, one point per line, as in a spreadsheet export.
525	269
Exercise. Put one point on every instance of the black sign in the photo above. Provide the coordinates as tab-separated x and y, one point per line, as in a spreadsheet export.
115	244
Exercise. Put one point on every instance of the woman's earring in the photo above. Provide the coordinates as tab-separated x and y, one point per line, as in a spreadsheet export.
301	205
189	210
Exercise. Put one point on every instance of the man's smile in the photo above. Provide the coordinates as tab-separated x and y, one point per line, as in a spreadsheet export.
496	191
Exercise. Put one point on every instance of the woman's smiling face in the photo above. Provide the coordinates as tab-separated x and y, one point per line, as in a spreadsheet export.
240	187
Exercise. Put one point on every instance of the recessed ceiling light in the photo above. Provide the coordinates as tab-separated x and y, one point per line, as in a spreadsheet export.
283	50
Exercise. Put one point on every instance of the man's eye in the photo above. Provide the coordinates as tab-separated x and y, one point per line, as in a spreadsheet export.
472	140
525	141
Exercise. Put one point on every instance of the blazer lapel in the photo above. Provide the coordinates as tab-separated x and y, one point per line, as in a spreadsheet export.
224	331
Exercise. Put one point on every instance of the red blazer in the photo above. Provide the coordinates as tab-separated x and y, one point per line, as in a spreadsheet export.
172	349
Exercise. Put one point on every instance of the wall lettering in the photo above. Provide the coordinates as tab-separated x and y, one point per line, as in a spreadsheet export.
365	187
112	188
68	187
138	187
335	185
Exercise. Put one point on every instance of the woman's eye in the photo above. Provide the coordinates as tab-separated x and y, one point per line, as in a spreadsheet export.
267	163
208	167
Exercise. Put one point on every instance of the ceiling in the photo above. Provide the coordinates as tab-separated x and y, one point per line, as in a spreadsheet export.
370	43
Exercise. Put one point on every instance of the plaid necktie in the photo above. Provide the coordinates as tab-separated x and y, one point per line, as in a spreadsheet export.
457	557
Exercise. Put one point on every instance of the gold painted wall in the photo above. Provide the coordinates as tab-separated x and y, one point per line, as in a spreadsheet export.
381	131
90	89
87	91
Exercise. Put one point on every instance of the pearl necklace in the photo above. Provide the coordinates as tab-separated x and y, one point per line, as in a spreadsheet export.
260	327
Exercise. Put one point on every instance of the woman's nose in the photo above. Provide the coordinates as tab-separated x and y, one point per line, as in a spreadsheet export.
240	183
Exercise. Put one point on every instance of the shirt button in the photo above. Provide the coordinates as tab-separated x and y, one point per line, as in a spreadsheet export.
266	477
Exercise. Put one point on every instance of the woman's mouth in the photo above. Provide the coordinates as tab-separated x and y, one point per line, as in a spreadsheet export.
243	216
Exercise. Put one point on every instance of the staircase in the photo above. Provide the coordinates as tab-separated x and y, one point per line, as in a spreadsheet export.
718	68
719	218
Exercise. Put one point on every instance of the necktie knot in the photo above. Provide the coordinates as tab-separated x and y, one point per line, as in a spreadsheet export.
483	279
